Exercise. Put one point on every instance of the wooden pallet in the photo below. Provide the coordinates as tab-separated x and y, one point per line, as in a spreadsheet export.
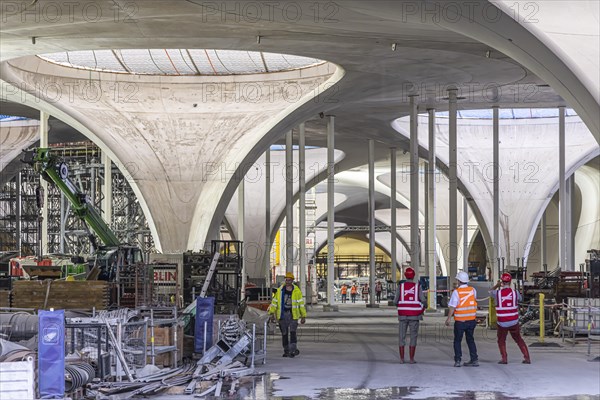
60	294
5	298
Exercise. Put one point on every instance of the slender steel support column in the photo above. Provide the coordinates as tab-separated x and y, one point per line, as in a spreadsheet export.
431	255
465	264
495	247
18	209
63	222
330	208
267	259
44	185
394	230
107	194
289	203
562	192
371	222
241	222
415	244
544	242
302	207
453	191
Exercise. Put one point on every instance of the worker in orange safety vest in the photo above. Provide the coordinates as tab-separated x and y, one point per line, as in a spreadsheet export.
507	312
344	291
463	307
353	292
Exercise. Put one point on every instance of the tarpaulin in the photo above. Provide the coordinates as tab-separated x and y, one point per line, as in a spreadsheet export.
205	311
51	354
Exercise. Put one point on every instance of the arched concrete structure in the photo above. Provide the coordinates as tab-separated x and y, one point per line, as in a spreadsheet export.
254	200
529	175
180	170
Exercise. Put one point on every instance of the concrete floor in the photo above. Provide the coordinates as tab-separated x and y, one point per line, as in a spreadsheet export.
355	351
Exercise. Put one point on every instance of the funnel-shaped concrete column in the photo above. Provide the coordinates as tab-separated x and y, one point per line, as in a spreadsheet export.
180	139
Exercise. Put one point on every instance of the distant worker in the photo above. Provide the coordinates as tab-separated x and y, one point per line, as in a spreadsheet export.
410	301
463	306
378	290
507	312
353	292
365	292
344	291
287	307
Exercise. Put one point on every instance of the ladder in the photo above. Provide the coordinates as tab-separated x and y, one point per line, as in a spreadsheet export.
209	275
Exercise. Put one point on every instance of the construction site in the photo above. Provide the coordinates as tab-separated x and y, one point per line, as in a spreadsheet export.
311	200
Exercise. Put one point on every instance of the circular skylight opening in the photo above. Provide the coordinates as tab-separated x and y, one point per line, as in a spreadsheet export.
180	61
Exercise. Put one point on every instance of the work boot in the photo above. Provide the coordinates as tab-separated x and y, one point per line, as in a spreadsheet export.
286	354
401	348
502	347
471	363
457	363
525	351
412	350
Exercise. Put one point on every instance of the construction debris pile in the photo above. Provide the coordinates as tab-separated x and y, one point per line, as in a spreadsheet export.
231	358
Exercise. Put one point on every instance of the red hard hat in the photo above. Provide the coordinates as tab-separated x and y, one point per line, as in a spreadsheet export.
506	277
409	273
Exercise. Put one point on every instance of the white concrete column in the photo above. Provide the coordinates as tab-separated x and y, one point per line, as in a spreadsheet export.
107	194
289	203
453	191
330	208
495	250
431	255
465	264
371	202
267	259
241	221
394	227
44	185
562	192
302	207
415	245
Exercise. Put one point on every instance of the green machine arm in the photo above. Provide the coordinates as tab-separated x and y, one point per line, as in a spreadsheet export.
52	169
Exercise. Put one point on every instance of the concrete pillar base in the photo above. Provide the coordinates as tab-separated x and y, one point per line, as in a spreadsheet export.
372	305
330	307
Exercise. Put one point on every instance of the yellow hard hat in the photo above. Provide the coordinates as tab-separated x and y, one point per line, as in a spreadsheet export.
289	275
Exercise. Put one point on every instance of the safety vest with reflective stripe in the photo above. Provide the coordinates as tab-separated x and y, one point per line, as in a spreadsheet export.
409	304
298	309
467	304
507	308
344	289
353	290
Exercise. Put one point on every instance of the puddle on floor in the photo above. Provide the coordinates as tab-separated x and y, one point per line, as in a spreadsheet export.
262	388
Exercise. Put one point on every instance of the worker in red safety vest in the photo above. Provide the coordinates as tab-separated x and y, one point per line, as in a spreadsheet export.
410	301
507	312
463	307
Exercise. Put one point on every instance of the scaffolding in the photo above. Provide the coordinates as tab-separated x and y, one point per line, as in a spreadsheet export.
67	234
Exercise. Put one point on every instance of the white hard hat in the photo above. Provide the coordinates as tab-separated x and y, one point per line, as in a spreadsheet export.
462	276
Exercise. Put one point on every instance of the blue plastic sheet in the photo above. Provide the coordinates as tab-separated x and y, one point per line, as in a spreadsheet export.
205	311
51	354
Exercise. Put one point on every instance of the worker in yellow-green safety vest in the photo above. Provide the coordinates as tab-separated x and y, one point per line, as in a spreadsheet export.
287	307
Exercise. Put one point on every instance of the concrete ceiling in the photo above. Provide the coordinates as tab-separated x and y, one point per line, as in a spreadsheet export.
384	50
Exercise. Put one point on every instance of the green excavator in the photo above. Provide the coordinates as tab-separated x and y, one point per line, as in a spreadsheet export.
106	259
